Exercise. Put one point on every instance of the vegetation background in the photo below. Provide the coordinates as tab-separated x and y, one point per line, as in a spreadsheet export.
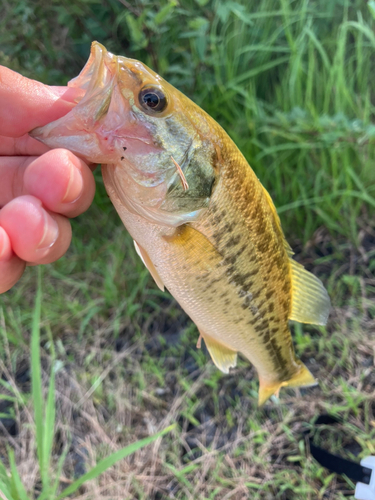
293	82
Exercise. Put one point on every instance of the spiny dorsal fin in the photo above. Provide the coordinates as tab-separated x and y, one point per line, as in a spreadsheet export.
150	266
277	219
223	357
310	300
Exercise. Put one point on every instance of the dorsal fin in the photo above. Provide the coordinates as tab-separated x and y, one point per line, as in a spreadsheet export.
277	219
150	266
223	357
310	300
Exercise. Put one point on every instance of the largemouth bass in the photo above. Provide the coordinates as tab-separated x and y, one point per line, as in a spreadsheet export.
202	222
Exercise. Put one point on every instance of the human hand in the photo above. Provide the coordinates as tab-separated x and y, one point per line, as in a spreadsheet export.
39	188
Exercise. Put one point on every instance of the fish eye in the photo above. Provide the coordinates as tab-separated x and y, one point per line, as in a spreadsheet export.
152	99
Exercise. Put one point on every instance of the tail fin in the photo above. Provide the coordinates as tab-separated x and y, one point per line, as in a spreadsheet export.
303	378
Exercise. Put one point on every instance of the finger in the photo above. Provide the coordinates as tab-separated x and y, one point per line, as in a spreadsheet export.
35	235
26	104
5	246
11	267
63	182
10	272
21	146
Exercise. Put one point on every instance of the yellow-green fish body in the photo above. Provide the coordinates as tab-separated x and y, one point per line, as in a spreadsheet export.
202	222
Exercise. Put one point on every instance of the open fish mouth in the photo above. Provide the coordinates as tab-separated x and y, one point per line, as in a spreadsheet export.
103	125
104	70
98	71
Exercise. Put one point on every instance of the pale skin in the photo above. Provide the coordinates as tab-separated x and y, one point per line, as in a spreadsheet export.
40	189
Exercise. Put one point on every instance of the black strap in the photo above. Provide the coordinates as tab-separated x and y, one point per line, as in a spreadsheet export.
337	464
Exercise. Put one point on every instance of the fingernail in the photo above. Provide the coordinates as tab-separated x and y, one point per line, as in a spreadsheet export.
69	94
51	232
5	246
75	185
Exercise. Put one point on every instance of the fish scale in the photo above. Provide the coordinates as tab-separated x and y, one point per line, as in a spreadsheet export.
266	325
201	221
232	315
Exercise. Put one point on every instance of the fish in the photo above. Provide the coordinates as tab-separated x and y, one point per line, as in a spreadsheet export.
202	222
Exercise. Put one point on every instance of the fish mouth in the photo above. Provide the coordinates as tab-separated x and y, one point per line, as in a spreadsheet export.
101	69
103	125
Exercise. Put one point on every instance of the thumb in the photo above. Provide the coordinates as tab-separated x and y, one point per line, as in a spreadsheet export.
26	104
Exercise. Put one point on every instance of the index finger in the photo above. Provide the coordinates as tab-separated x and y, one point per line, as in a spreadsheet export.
26	104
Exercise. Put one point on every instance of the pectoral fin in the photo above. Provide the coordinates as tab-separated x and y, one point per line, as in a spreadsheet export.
150	266
223	357
310	300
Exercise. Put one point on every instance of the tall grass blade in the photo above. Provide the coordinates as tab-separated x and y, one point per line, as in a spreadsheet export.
4	492
36	384
49	423
4	481
16	480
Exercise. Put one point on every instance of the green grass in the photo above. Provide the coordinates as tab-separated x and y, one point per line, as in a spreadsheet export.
43	422
293	84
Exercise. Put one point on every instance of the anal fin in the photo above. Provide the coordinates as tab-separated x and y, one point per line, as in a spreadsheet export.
303	378
150	266
223	357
